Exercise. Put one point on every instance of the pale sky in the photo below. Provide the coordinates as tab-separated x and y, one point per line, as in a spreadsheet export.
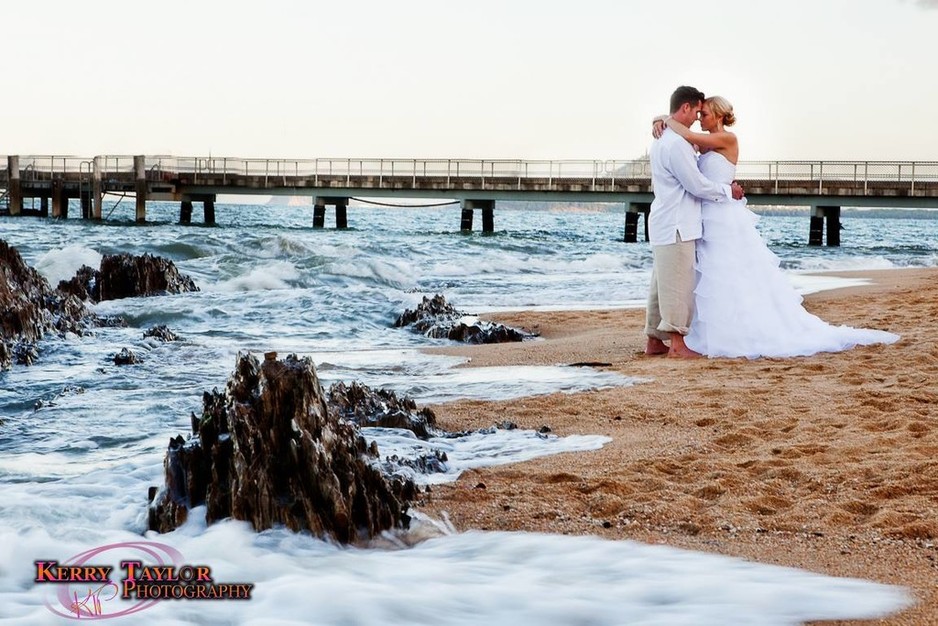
538	79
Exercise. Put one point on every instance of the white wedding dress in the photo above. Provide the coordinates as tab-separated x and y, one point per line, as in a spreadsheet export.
746	306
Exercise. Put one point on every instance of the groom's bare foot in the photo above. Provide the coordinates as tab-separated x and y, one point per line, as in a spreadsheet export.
683	353
655	347
679	349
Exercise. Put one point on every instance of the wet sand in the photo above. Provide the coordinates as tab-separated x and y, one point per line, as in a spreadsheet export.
827	463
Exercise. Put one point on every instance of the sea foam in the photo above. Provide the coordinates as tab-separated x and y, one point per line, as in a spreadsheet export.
62	264
461	579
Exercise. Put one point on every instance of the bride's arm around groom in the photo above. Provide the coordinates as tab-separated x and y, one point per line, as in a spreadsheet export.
674	224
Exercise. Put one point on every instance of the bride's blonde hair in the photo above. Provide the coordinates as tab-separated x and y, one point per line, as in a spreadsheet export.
722	108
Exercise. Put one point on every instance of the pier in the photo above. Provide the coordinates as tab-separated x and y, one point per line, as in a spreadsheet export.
824	186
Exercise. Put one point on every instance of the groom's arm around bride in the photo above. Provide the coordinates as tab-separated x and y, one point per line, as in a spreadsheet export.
674	225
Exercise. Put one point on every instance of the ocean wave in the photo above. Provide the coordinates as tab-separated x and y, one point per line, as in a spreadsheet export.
842	263
182	250
277	246
61	264
387	272
498	262
275	275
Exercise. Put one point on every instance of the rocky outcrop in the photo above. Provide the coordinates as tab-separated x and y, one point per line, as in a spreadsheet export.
429	309
269	451
126	357
127	276
437	318
364	406
25	353
83	285
22	294
381	408
30	309
161	333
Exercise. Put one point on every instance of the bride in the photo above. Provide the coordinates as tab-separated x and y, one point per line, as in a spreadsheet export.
745	305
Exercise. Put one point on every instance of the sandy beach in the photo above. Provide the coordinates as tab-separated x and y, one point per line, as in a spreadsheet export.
827	463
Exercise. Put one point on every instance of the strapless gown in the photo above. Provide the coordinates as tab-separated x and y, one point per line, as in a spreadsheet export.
745	305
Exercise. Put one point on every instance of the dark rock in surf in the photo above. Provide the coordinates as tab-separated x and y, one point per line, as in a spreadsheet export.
30	309
269	451
126	357
25	352
437	318
430	308
430	463
83	285
128	276
161	333
364	406
22	294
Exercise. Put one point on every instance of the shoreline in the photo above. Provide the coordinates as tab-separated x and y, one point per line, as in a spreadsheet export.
825	463
867	277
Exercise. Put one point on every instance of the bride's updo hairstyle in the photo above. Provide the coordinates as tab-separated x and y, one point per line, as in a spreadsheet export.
722	108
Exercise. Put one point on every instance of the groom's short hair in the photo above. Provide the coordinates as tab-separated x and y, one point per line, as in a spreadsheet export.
685	95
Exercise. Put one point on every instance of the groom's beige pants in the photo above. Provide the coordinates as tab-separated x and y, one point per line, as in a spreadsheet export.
671	295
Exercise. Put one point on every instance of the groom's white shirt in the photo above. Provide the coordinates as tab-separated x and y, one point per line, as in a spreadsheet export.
679	187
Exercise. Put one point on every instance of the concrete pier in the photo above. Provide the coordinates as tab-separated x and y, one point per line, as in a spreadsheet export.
475	183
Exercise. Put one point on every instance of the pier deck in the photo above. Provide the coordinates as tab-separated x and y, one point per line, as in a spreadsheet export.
824	186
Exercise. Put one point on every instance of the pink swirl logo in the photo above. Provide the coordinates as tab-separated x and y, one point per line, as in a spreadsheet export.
86	591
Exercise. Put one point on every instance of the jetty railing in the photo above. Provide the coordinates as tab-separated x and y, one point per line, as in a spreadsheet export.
598	172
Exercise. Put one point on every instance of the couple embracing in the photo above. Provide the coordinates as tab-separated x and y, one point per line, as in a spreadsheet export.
716	288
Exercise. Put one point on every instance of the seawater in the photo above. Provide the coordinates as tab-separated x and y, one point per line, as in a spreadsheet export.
82	439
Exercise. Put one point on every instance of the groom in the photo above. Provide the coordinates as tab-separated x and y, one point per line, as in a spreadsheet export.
674	225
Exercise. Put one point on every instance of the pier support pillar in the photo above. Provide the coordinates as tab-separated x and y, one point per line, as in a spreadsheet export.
85	198
319	215
59	199
97	191
488	220
44	206
14	187
208	211
319	211
466	223
632	212
140	188
488	214
819	215
832	216
185	212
